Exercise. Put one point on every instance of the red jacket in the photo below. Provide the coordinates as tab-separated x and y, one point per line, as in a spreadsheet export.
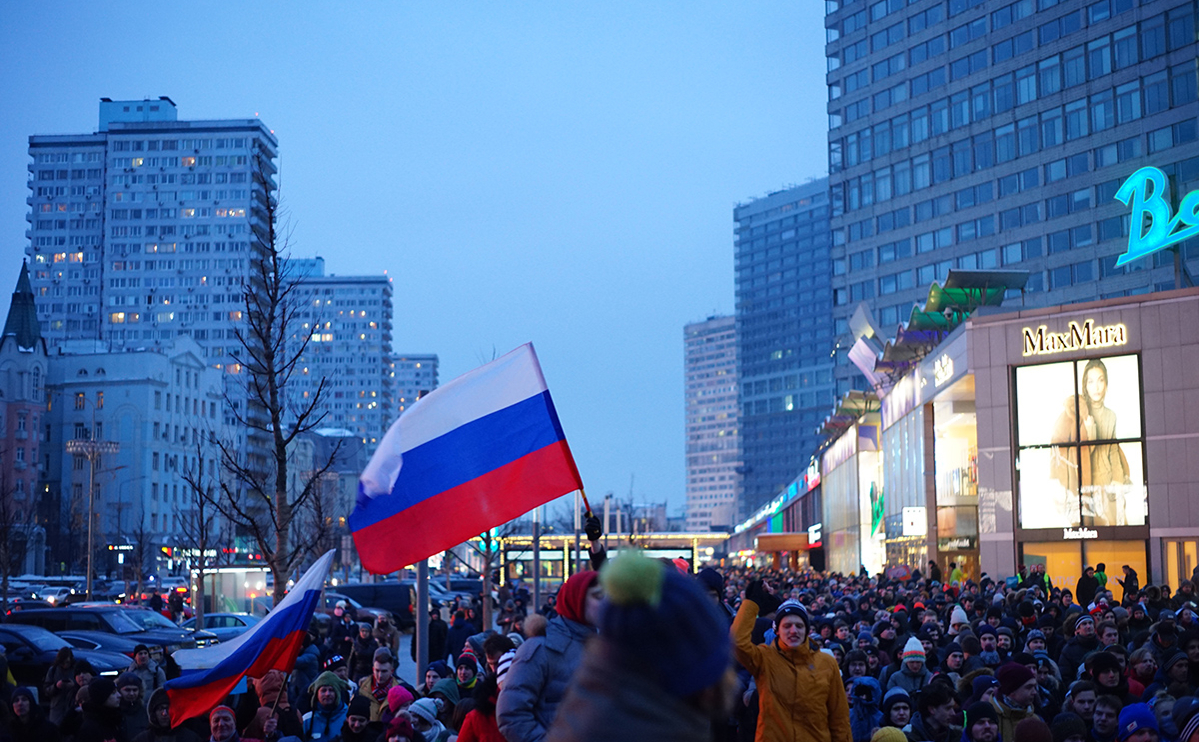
479	728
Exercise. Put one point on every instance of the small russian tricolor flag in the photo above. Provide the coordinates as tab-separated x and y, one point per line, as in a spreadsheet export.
475	453
210	674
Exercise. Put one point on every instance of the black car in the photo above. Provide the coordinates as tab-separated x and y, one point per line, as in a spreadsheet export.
106	642
31	651
144	625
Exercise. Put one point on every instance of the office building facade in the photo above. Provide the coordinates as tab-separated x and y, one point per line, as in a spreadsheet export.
711	407
156	416
784	336
413	375
347	320
142	232
977	135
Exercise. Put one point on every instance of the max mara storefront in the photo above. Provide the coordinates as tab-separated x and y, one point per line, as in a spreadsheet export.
1088	437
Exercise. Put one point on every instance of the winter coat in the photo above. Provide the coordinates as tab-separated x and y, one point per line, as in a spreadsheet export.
157	733
152	677
1085	591
477	727
537	680
134	719
100	724
909	681
918	731
864	714
362	656
35	728
1009	716
308	667
456	637
62	700
608	701
323	724
1074	655
364	689
800	695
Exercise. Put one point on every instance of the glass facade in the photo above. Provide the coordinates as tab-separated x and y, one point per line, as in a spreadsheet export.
784	336
982	135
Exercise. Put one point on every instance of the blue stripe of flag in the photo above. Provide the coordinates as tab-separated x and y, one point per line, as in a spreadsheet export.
283	621
463	454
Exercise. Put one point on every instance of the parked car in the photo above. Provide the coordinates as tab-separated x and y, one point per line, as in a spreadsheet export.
24	604
141	624
362	612
106	642
31	651
225	625
56	595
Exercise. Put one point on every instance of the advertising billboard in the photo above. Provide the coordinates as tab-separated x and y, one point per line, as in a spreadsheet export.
1080	450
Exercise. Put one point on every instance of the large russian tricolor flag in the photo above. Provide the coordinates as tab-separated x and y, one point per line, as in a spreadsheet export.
273	643
477	452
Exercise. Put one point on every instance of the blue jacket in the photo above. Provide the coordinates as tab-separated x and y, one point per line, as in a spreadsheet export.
537	680
324	725
864	716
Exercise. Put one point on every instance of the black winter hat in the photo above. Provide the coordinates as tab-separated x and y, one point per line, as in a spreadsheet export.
978	711
1066	725
360	705
99	689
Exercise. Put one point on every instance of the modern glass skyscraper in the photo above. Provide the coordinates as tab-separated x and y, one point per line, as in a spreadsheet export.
711	409
970	134
142	231
784	336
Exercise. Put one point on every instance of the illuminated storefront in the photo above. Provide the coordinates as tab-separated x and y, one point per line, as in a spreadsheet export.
854	500
1089	441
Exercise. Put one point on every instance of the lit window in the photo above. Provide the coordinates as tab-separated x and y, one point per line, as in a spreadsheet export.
117	318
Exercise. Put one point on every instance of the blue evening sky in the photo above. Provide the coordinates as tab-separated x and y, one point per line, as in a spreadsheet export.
557	172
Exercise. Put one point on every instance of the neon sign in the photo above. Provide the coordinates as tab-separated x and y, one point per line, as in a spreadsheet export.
942	370
1042	341
1153	227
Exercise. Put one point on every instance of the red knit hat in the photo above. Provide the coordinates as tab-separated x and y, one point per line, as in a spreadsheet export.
572	596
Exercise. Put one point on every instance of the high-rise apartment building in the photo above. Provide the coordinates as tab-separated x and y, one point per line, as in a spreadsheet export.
413	374
141	232
711	409
977	135
784	336
348	323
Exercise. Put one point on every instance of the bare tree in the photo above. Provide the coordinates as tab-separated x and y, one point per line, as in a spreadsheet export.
142	555
199	528
489	548
259	496
15	521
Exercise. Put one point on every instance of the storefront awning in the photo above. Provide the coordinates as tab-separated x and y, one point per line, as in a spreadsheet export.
852	406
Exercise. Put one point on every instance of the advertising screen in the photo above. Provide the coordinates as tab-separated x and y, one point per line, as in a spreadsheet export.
1080	456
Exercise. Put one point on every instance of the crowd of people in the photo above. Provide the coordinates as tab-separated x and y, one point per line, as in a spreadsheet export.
644	649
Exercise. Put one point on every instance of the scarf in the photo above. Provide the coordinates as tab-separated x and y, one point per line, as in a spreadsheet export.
379	693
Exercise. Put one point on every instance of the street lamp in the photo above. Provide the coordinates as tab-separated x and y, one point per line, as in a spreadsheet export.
93	450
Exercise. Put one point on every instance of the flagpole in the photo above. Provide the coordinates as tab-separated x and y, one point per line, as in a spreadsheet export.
537	559
422	619
578	552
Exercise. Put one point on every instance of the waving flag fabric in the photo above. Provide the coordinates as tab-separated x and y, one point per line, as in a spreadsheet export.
273	643
480	451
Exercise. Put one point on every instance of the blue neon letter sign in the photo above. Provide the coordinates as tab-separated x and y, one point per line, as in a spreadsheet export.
1153	227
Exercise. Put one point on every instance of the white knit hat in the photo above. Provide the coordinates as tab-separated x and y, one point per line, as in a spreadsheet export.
957	616
913	650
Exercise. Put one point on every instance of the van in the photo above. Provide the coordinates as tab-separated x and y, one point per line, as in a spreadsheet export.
396	597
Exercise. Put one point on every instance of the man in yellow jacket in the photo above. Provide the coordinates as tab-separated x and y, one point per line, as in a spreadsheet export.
800	694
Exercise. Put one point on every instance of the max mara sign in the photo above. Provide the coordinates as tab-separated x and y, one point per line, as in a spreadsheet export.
1041	341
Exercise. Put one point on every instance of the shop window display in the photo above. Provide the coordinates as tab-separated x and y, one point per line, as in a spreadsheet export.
1080	453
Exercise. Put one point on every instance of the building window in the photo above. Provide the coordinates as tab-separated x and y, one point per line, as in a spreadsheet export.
80	400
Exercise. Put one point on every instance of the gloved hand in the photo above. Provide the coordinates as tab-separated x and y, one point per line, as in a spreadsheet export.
757	592
593	528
